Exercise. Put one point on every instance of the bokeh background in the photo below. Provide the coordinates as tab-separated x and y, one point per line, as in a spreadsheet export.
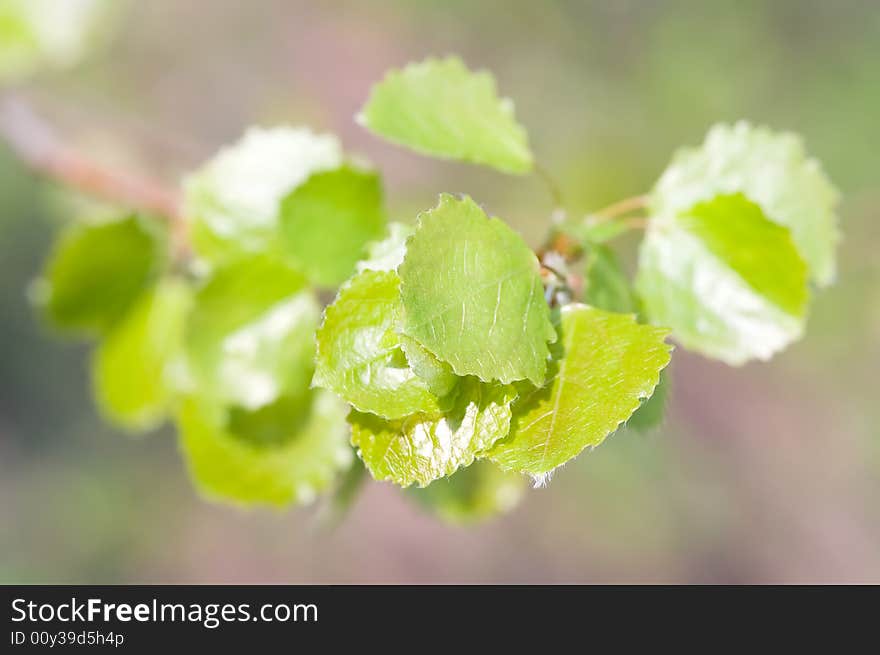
766	473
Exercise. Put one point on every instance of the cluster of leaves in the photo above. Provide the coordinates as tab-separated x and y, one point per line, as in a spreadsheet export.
448	352
467	363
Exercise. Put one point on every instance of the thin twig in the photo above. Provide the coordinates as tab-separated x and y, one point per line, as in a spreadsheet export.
37	145
550	183
620	208
636	222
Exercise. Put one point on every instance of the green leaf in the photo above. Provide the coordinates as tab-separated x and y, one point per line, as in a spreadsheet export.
440	108
96	271
272	424
650	413
387	254
437	375
328	220
424	447
232	468
359	354
606	285
472	294
728	281
478	492
250	335
771	169
129	367
607	365
38	33
233	201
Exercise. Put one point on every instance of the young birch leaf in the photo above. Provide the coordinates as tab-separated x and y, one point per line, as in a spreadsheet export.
438	376
472	295
478	492
424	447
387	254
271	424
608	364
771	169
233	201
231	468
96	272
440	108
650	413
129	367
345	204
359	354
606	285
250	335
728	281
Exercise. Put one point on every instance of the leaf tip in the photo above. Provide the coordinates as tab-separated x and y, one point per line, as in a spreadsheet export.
541	480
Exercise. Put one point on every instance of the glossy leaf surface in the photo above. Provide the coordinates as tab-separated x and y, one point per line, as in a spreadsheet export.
424	447
472	294
607	364
438	107
728	281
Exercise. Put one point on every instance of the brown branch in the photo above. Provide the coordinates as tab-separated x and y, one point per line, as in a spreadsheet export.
37	145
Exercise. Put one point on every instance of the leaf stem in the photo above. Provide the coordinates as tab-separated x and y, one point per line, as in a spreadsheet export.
551	185
621	207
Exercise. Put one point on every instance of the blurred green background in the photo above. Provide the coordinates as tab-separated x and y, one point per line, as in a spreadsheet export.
768	473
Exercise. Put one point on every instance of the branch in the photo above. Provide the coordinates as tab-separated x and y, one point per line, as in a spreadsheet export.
37	145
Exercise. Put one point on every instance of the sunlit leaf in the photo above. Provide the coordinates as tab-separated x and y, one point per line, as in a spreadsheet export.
607	364
271	424
250	336
478	492
328	220
387	254
96	271
651	412
236	469
233	201
728	281
472	294
359	353
424	447
437	375
771	169
440	108
129	367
